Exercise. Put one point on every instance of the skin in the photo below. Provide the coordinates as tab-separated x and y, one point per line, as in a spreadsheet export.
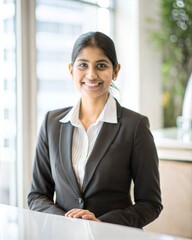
92	73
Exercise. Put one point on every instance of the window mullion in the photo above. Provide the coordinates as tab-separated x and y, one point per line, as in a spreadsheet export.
26	95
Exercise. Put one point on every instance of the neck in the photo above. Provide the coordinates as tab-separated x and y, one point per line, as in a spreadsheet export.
91	109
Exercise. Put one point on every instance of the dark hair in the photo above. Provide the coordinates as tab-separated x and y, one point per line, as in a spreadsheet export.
95	39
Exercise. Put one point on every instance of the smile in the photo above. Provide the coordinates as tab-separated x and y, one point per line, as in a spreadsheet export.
92	84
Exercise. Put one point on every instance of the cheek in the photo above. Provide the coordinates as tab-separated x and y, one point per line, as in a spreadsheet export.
76	76
108	77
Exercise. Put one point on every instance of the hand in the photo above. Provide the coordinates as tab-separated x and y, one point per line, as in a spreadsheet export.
81	213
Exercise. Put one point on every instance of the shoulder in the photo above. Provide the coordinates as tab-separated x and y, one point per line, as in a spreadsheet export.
125	114
51	123
131	120
58	114
52	118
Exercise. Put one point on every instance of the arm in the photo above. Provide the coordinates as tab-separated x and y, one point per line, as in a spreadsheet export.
145	174
42	190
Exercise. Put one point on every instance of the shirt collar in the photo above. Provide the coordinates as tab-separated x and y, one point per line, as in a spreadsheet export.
108	114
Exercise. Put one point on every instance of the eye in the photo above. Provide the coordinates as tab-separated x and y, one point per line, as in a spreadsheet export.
101	66
82	65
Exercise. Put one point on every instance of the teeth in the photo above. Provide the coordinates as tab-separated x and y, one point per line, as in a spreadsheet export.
91	84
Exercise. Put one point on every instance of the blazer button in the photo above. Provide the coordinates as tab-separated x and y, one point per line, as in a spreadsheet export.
80	200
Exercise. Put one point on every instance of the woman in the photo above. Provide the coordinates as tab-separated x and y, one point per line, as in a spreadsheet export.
89	154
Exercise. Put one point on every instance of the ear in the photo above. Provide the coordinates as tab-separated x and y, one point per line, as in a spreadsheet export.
116	71
70	68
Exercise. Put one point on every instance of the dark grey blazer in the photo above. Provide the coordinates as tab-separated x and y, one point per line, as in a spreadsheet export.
122	152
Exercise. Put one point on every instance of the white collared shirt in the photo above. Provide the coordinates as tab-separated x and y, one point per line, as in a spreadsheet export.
84	141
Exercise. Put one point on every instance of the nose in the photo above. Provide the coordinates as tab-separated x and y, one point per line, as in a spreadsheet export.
91	74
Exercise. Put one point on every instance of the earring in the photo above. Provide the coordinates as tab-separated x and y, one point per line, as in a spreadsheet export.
114	77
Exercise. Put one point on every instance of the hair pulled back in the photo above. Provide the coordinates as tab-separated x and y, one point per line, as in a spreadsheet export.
95	39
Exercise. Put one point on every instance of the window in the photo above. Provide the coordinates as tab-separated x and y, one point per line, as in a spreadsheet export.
7	104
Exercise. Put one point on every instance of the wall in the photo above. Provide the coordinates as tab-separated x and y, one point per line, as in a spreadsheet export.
140	77
176	217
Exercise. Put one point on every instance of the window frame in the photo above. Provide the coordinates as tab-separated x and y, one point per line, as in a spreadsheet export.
26	96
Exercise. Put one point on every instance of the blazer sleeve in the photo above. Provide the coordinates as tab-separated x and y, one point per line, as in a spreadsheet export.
42	189
145	174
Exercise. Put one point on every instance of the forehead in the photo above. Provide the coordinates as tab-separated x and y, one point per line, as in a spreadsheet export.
91	53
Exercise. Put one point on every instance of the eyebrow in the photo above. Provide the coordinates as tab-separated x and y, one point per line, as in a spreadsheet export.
98	61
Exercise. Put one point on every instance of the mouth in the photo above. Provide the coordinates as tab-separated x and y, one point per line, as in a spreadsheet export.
92	84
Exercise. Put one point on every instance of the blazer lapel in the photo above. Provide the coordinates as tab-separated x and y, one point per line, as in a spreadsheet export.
65	149
105	138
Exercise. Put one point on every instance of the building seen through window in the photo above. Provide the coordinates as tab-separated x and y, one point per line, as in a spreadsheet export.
7	103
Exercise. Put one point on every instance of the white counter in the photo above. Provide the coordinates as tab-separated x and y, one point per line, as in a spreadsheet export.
23	224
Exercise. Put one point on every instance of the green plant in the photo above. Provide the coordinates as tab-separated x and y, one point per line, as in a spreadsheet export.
174	39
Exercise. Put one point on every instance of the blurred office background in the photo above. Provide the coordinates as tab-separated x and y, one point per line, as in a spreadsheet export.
36	39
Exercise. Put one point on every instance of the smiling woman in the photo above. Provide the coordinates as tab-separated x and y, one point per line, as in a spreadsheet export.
93	69
94	58
87	155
